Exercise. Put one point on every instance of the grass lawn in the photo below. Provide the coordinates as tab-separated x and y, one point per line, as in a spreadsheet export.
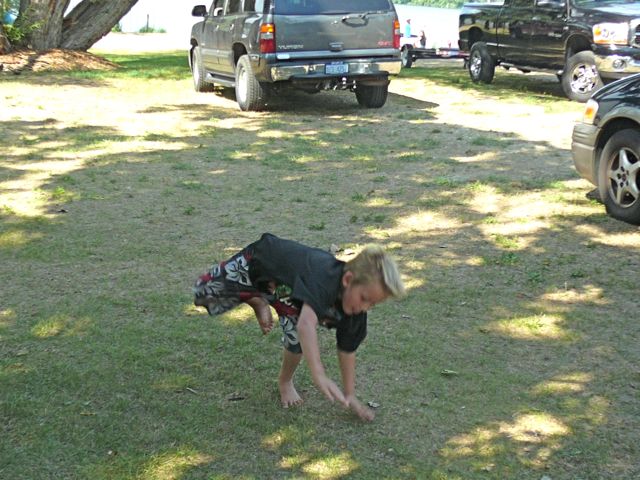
514	356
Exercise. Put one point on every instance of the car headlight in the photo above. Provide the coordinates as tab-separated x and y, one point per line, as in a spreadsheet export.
590	111
611	33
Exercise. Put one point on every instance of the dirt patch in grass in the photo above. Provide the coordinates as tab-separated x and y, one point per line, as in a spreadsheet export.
53	60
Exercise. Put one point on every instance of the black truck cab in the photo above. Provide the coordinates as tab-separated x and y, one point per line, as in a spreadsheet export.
585	42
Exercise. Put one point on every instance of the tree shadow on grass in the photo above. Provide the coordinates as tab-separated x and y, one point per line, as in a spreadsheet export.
123	376
505	85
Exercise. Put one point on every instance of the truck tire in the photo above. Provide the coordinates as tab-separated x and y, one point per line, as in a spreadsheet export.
372	96
481	65
405	57
580	78
199	73
249	93
619	176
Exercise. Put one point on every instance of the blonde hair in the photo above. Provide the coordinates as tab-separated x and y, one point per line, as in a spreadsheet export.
373	264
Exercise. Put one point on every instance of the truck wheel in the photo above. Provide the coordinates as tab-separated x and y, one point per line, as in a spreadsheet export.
405	57
481	65
249	93
198	72
581	78
372	96
619	176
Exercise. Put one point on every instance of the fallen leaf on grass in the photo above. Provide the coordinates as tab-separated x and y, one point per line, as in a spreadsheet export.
448	373
373	404
235	396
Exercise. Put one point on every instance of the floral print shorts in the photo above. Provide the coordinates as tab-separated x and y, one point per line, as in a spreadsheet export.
227	284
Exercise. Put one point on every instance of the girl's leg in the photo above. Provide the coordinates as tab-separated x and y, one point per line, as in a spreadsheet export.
227	285
288	393
263	313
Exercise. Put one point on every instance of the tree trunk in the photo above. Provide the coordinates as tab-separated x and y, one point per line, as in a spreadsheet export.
5	46
47	15
89	21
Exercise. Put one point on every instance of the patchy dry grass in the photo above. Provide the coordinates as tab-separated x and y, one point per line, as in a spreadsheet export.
118	188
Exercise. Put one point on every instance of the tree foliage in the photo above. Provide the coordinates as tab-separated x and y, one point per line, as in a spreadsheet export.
46	24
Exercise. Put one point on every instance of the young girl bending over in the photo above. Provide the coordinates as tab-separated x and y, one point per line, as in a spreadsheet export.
306	287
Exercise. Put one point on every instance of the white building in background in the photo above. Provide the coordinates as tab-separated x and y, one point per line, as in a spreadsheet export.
174	17
440	25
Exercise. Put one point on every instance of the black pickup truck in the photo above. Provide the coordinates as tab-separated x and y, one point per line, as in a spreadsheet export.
584	42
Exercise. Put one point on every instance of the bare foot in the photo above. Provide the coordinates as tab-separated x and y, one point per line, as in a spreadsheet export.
289	395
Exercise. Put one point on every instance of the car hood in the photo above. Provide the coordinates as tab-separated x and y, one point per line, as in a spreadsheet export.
619	86
612	10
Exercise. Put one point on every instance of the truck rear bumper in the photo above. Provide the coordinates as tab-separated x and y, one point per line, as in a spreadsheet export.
331	70
583	150
618	65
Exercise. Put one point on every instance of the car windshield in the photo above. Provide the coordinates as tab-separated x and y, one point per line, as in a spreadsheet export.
595	3
314	7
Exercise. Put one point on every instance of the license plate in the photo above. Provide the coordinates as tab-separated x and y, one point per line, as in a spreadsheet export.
336	68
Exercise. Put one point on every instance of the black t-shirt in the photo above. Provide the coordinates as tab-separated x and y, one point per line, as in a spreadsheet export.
314	277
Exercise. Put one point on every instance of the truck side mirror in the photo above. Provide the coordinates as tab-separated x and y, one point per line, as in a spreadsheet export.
199	11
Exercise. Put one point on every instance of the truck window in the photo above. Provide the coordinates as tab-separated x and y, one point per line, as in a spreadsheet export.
234	6
313	7
253	5
216	4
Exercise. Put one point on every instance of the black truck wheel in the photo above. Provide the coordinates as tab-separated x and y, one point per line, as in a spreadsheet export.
580	77
198	72
249	93
619	176
405	57
481	65
372	96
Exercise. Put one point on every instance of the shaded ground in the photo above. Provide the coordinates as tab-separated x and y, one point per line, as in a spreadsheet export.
117	190
53	60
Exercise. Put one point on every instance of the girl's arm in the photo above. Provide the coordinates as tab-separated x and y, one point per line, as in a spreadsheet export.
348	369
308	336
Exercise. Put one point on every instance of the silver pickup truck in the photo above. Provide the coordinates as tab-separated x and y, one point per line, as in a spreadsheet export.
263	47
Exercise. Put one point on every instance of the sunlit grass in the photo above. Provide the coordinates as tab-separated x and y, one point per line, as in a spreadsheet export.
120	189
534	327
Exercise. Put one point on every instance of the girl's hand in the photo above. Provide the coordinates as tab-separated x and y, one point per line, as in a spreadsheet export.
362	411
330	390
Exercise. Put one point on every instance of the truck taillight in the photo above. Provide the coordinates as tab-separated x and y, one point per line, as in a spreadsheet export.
268	38
396	34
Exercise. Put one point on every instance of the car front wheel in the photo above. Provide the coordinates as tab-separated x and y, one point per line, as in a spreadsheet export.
249	93
619	176
580	78
481	65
